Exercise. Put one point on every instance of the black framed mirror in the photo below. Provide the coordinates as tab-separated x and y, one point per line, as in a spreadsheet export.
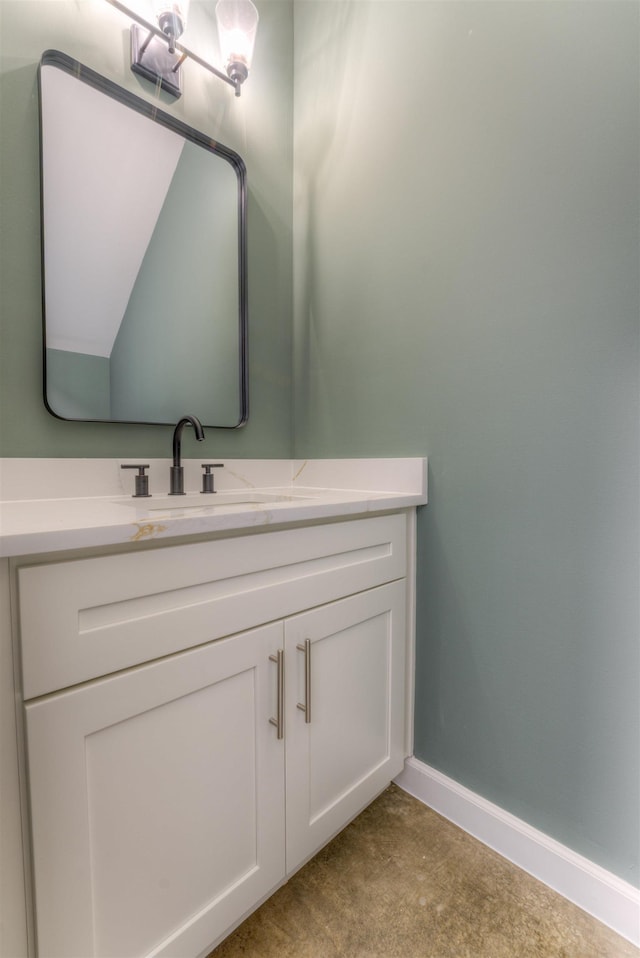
144	261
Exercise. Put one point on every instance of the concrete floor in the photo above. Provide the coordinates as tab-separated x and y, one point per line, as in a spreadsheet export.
402	881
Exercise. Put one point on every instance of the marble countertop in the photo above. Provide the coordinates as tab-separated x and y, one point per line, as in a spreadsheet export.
251	494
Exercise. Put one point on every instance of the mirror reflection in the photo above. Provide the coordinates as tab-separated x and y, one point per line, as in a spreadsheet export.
144	263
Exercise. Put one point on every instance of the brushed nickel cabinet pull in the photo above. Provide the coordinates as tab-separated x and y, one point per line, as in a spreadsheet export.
306	708
278	721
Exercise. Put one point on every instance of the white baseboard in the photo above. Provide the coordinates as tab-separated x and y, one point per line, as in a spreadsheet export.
608	898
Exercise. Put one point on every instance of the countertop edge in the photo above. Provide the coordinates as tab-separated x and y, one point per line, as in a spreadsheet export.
165	530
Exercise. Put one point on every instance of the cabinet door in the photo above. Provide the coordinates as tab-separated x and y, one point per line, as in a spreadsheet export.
157	802
350	743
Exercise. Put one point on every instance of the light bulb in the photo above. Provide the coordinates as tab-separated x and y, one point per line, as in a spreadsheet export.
237	27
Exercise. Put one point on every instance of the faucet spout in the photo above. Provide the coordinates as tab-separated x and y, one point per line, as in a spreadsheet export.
177	435
177	471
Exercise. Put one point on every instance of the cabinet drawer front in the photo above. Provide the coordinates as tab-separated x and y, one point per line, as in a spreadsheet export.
85	618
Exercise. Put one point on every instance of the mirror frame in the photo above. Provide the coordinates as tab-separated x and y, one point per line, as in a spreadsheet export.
86	75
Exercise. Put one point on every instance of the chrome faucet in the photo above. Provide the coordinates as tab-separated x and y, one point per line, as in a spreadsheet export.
177	471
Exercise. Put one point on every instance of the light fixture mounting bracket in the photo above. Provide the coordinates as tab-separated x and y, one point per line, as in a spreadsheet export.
150	58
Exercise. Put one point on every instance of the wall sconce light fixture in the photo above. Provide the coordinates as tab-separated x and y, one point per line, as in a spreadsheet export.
157	55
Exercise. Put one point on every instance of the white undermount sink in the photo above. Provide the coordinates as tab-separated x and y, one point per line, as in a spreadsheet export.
206	503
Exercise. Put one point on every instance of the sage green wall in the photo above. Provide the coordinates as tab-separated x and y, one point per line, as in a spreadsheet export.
258	126
466	287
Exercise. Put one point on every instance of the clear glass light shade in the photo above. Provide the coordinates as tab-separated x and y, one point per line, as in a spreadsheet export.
172	11
237	27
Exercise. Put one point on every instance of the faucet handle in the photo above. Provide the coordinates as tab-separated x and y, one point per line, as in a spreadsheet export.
208	477
142	480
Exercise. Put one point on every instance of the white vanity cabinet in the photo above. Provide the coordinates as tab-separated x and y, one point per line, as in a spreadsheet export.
200	719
